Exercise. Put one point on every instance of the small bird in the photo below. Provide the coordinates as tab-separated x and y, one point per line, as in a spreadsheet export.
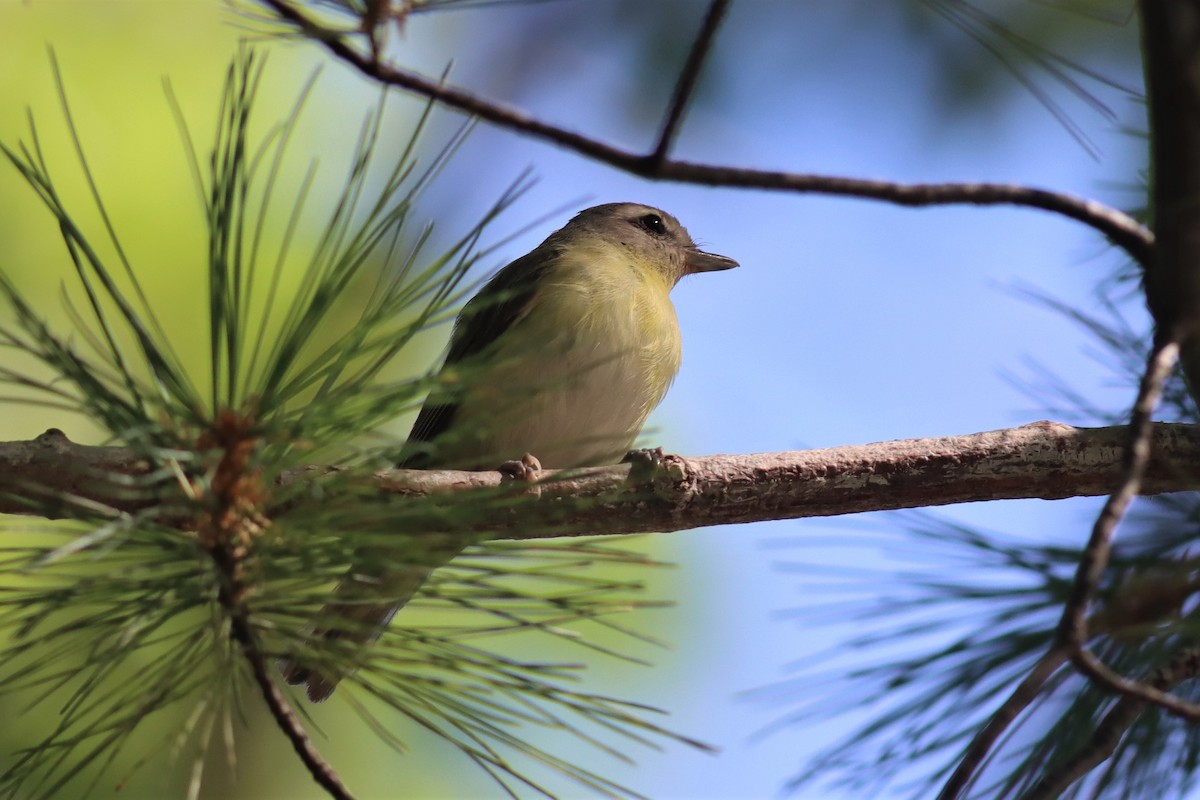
563	354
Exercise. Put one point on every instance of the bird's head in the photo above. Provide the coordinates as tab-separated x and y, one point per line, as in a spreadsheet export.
652	238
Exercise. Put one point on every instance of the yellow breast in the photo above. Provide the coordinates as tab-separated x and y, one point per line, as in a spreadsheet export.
574	379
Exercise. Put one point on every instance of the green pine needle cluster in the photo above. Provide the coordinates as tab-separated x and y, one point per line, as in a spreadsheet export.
113	618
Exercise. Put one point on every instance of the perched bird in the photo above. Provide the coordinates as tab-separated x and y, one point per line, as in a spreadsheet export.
563	355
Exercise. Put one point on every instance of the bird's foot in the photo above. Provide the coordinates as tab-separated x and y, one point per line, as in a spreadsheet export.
644	464
525	469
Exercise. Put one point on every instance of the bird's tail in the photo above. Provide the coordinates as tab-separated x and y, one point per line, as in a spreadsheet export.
355	616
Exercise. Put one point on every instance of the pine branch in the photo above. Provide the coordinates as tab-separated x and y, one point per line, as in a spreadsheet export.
1045	460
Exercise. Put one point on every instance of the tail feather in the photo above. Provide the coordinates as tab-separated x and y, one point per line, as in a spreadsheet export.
352	617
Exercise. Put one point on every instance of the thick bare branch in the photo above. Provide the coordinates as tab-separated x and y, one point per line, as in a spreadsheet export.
1044	460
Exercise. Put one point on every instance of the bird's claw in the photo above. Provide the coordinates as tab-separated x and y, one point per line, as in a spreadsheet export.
524	469
644	463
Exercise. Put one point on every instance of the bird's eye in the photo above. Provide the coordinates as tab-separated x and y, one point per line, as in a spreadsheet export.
653	223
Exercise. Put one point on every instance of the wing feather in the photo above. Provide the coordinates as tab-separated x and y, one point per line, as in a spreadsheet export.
499	305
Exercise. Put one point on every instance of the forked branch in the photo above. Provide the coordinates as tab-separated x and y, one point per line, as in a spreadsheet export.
1120	228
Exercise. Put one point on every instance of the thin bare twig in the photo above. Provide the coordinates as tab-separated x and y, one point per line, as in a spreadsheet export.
1073	626
1073	631
1143	599
1118	227
1101	673
1000	720
1103	743
320	769
688	77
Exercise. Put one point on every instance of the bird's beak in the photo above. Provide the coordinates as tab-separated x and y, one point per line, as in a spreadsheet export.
700	261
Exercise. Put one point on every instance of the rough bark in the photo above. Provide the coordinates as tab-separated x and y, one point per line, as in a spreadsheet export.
1044	460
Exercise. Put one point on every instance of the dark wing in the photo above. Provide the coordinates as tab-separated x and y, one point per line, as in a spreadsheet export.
502	301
